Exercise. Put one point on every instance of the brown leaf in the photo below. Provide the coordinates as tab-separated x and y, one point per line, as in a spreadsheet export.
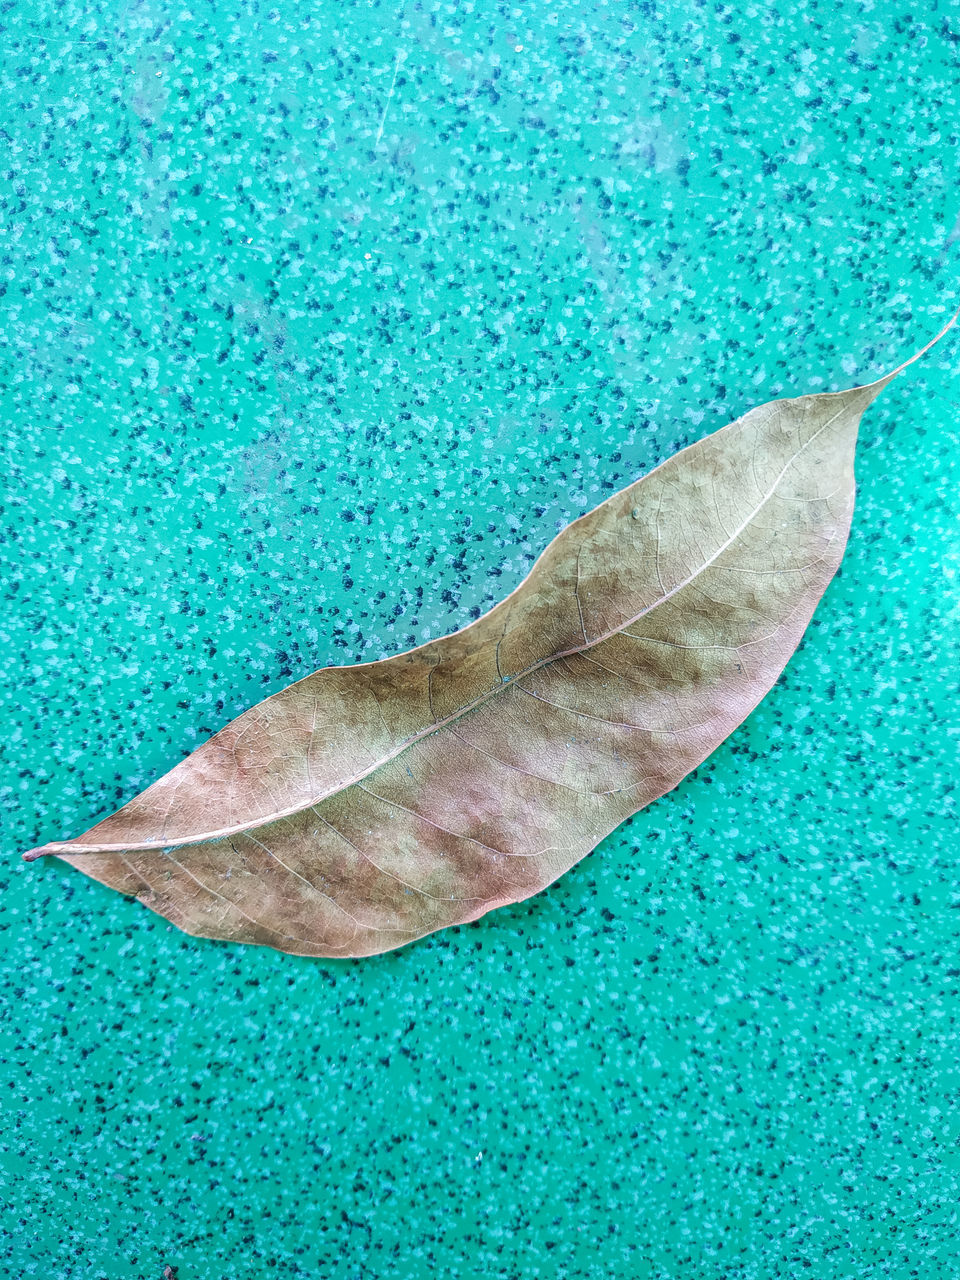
366	806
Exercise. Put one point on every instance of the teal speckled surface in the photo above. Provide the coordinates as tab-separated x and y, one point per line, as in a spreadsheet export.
318	323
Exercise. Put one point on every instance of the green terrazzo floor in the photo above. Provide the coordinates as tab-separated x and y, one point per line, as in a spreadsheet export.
318	323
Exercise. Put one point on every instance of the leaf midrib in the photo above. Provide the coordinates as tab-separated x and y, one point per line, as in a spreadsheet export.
71	847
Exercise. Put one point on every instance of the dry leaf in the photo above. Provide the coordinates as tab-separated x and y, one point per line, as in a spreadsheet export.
365	806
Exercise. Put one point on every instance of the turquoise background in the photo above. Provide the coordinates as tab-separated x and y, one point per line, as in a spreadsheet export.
318	323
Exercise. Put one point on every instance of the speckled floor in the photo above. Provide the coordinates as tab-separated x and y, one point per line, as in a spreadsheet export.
318	323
